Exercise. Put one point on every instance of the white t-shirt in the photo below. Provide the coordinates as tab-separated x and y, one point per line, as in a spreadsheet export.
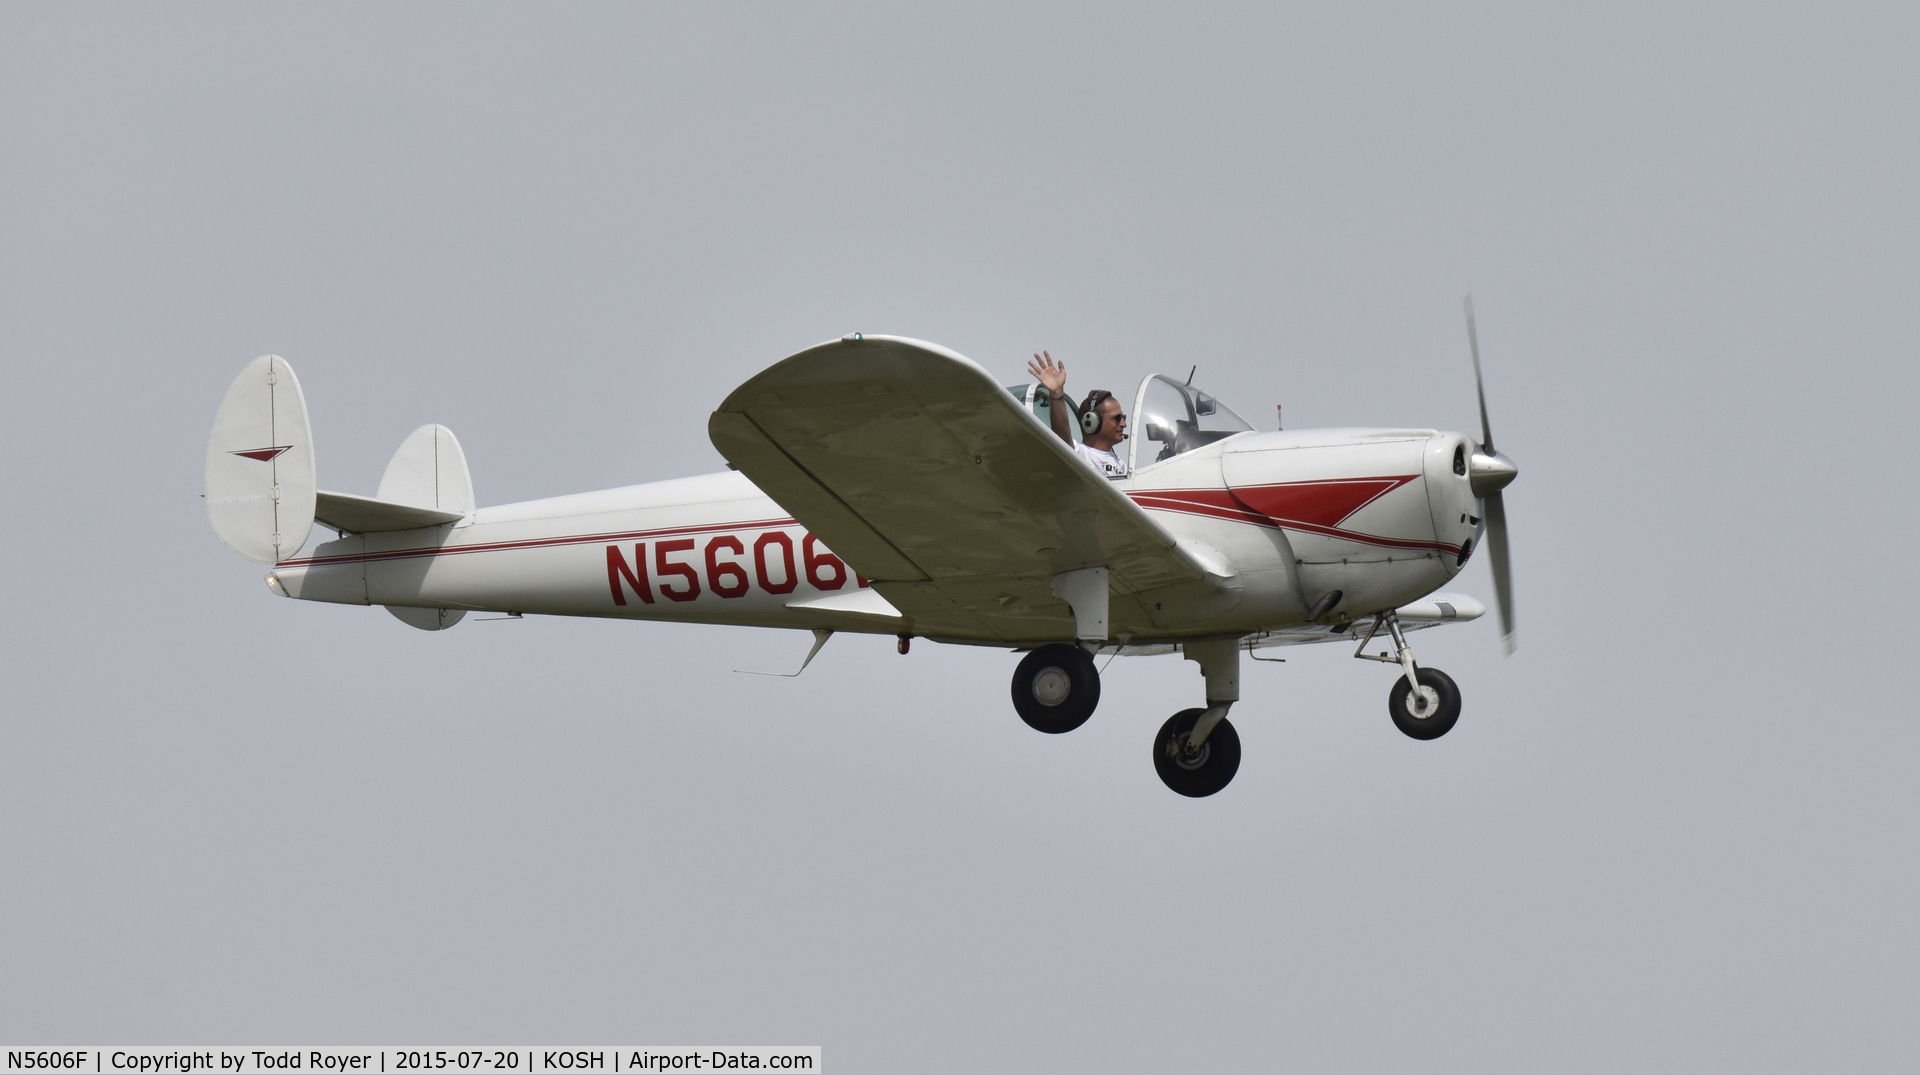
1105	462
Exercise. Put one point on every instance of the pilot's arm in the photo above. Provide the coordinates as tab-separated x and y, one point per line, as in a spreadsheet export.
1053	377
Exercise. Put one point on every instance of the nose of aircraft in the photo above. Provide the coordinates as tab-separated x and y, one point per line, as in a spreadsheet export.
1490	473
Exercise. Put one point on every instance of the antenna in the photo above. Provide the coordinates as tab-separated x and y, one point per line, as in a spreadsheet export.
1191	372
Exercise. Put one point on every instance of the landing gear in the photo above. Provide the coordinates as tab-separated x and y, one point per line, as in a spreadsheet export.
1056	688
1426	711
1197	751
1196	772
1429	712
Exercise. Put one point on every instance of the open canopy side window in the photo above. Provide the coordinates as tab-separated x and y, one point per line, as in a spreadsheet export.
1035	397
1170	418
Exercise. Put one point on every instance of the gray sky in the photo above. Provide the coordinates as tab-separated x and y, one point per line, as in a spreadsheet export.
1676	831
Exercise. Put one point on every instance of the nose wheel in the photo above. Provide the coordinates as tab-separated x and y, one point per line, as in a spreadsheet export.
1424	703
1196	772
1056	688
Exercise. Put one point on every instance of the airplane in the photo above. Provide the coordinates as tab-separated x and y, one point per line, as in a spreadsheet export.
884	485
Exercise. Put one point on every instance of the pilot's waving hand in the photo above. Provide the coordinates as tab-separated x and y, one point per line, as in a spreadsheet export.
1102	423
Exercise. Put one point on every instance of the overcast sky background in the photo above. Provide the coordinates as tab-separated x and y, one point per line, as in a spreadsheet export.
1675	831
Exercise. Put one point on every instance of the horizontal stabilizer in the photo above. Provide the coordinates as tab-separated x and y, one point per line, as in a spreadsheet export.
365	515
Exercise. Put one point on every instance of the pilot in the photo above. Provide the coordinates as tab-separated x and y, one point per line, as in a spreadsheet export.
1102	424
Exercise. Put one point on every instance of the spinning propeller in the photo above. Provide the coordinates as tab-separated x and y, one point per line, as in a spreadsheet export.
1489	472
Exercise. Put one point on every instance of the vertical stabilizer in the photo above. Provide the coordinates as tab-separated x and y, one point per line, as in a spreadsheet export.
260	479
429	471
427	619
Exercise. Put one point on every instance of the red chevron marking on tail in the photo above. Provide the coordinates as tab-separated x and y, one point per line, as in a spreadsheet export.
263	454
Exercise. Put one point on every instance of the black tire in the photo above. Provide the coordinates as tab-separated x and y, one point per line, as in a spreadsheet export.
1196	778
1444	714
1056	688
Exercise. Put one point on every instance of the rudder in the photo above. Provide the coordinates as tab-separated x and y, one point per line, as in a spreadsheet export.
260	482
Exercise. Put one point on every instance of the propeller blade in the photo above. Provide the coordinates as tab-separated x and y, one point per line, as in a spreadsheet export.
1491	474
1501	562
1473	342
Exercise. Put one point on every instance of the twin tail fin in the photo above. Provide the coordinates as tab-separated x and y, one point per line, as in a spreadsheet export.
260	477
261	493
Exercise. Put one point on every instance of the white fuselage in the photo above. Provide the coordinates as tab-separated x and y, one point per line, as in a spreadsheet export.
1381	515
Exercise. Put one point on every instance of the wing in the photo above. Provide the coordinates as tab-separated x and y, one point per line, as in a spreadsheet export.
930	479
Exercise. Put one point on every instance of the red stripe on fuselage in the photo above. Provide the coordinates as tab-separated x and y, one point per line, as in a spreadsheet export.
1214	503
1329	502
536	543
1222	504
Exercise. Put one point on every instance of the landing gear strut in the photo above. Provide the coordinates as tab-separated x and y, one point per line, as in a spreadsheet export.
1056	688
1424	703
1197	751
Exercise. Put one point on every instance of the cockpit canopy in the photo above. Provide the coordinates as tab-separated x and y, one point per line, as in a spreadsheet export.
1170	418
1167	418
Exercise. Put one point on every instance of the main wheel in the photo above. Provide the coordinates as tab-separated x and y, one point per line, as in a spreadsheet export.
1055	688
1432	712
1198	775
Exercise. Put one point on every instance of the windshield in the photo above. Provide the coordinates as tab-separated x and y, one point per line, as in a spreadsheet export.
1170	418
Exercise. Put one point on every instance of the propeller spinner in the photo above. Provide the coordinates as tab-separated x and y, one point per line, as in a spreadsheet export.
1489	472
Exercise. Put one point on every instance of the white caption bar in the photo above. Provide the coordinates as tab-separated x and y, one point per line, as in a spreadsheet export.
376	1060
